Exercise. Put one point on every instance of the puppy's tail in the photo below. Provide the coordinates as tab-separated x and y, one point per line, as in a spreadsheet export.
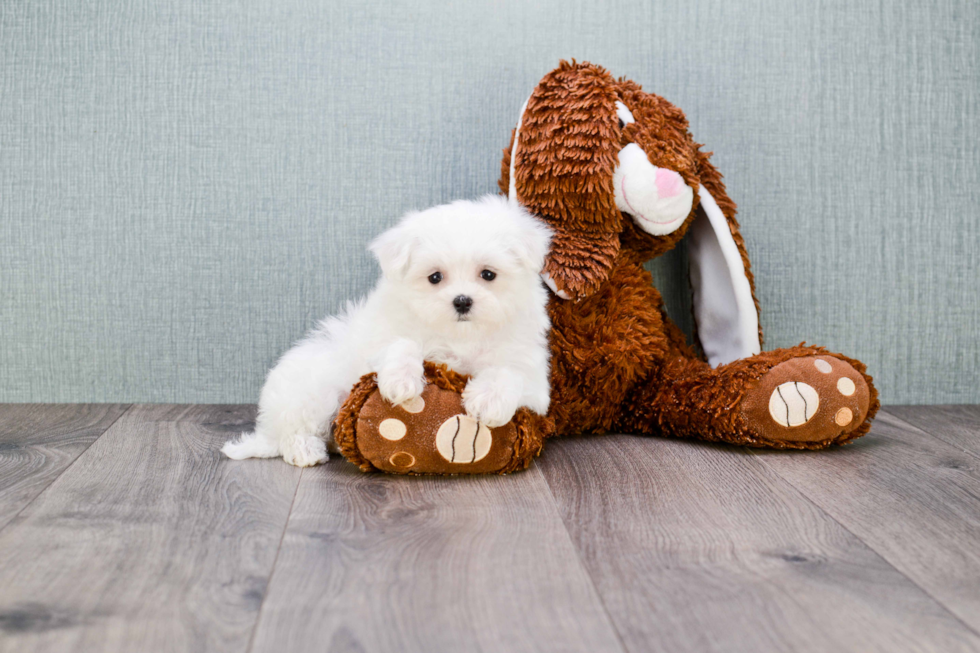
251	445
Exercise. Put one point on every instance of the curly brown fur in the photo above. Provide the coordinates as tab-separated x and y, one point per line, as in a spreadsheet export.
345	424
601	347
567	153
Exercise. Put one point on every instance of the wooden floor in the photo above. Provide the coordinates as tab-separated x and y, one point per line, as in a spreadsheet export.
123	529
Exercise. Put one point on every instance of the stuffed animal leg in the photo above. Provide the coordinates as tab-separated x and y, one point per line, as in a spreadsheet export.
794	398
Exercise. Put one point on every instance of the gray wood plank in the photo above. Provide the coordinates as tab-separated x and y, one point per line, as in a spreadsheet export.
39	441
909	496
958	425
150	541
383	563
695	547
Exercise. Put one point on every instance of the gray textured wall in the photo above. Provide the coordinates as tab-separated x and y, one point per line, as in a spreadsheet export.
186	186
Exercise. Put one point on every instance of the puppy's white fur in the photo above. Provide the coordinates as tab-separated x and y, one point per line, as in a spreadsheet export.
501	342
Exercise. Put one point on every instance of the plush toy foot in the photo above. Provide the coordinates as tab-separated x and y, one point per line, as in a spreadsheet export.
432	434
813	401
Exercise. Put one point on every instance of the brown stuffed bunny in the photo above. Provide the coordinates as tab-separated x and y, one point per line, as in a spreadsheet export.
616	174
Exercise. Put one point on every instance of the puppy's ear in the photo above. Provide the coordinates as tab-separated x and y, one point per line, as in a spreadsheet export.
393	249
532	243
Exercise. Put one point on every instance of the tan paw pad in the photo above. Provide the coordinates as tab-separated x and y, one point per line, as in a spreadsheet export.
392	429
462	439
793	403
402	459
415	405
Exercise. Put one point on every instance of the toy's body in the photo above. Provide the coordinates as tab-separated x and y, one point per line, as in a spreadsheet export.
617	176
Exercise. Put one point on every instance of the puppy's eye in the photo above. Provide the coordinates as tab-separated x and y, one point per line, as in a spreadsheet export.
435	277
621	123
488	275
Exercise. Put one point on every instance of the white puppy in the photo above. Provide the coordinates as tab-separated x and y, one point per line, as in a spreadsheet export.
460	287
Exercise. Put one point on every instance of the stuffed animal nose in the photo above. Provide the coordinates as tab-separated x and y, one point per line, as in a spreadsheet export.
463	304
657	198
669	183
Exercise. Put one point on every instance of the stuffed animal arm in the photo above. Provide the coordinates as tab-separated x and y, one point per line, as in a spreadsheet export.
432	433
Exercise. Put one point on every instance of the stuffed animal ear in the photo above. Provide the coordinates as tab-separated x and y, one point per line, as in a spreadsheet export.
393	249
565	151
560	167
726	311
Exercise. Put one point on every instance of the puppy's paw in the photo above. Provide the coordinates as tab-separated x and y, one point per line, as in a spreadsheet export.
488	404
304	450
401	384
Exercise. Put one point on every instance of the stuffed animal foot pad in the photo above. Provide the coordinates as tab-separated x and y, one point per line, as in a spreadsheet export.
811	399
432	434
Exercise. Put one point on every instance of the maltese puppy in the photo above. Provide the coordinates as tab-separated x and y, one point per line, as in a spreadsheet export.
460	286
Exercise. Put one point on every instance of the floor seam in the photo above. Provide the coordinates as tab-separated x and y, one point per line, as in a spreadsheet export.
275	562
81	453
585	568
754	455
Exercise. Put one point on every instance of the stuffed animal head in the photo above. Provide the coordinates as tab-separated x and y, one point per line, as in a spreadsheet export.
616	174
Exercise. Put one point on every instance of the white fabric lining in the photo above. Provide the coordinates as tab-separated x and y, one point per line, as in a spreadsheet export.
624	114
512	186
728	324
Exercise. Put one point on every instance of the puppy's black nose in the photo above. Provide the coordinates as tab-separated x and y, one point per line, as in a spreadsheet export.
463	304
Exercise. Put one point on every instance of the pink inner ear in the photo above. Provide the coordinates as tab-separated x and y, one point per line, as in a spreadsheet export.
669	183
